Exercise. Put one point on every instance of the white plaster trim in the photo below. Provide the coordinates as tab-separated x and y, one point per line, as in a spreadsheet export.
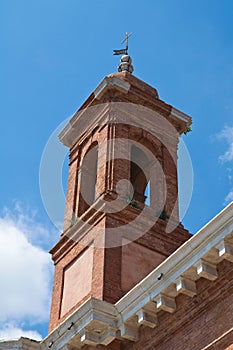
83	121
107	82
182	116
89	117
95	311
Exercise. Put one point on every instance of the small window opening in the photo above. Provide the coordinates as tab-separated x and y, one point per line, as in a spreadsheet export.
147	194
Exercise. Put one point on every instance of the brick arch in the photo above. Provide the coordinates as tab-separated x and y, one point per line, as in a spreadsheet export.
146	139
146	180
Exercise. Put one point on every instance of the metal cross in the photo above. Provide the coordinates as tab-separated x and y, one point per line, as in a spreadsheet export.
123	51
127	36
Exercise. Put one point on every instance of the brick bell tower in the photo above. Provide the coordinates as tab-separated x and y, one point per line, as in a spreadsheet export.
121	218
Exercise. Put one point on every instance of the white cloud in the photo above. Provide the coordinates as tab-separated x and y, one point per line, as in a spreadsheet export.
13	332
26	218
25	275
229	197
227	135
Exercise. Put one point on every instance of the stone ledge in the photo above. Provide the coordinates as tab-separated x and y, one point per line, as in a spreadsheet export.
20	344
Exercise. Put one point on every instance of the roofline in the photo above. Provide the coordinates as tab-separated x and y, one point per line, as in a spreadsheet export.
69	133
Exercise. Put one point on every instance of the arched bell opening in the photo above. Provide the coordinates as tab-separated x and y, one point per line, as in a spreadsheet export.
140	175
88	178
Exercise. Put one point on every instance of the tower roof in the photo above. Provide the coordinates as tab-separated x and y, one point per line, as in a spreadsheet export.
124	87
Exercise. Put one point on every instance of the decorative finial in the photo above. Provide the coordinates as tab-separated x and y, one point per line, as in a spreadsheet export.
126	61
126	40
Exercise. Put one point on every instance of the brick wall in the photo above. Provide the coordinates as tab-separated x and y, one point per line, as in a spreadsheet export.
204	322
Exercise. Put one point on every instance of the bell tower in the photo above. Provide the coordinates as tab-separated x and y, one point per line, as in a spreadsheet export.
121	218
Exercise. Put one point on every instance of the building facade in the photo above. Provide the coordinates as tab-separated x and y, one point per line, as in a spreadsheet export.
128	275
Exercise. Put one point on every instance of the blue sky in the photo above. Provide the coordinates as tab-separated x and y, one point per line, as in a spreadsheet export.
53	54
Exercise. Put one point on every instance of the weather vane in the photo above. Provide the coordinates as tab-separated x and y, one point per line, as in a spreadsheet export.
123	51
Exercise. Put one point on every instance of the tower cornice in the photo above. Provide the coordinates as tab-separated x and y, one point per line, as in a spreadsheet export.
118	88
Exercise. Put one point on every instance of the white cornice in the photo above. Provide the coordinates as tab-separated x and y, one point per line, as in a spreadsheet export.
91	116
181	115
109	82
